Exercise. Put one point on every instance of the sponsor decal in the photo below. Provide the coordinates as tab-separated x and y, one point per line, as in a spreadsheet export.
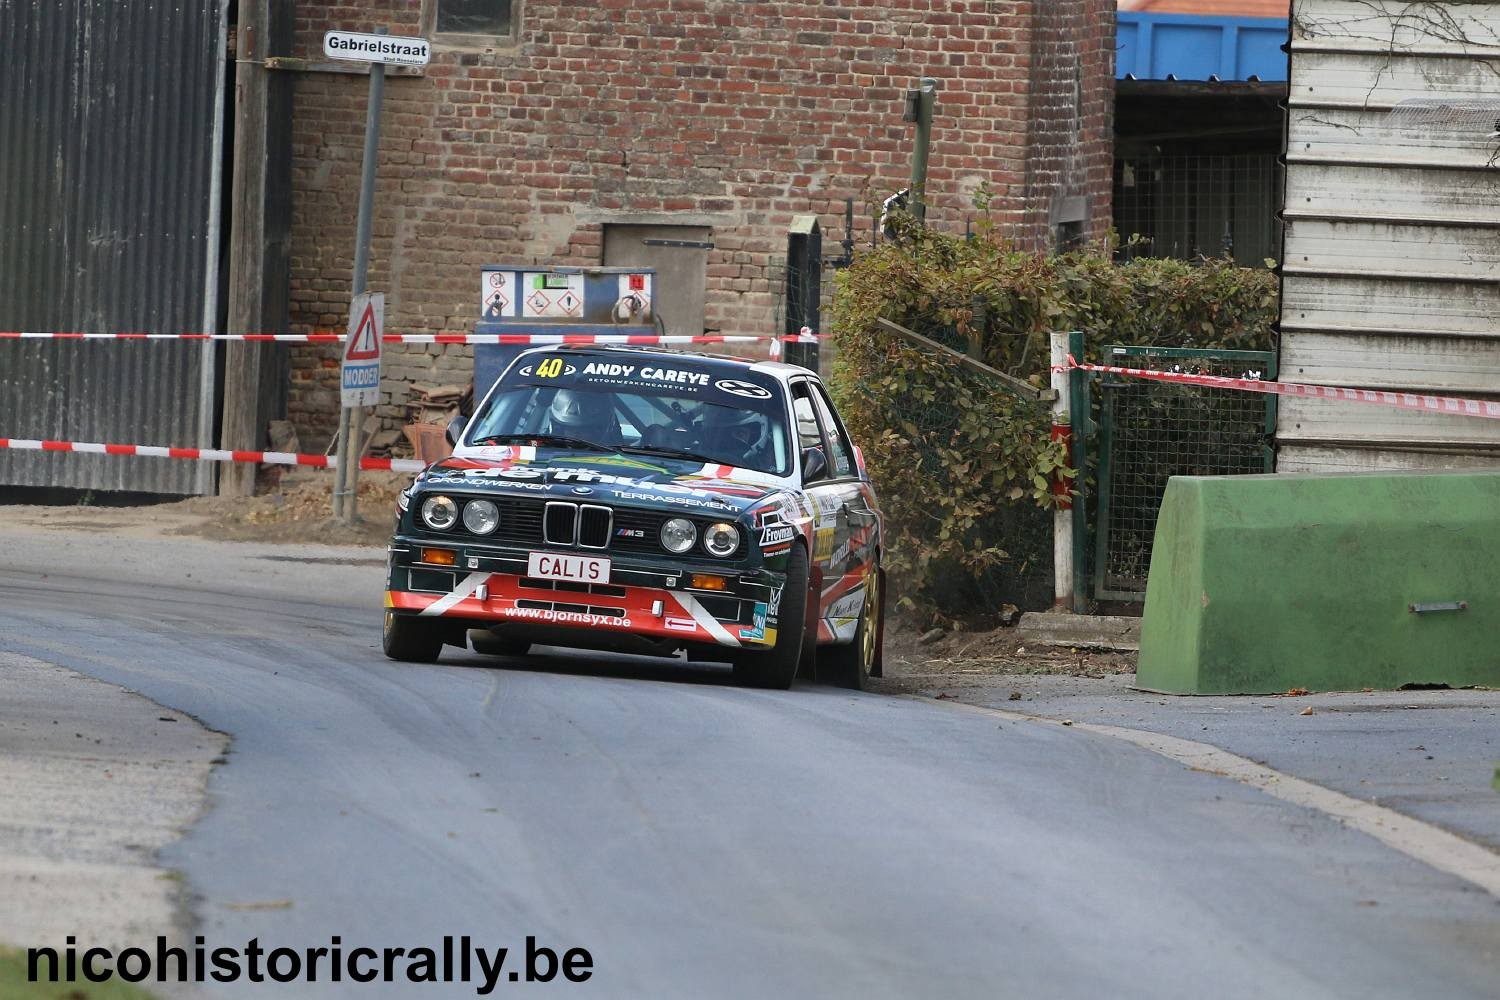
774	606
520	476
548	368
822	544
565	617
847	606
738	387
688	501
612	371
776	534
758	629
629	463
643	373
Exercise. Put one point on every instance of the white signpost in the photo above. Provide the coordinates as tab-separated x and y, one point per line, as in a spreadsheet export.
360	375
392	50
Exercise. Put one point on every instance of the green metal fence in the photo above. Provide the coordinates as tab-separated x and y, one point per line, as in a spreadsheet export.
1149	431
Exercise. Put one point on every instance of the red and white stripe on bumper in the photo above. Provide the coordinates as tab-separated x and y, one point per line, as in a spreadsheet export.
502	598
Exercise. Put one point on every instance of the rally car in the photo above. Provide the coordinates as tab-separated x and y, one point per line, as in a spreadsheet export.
646	501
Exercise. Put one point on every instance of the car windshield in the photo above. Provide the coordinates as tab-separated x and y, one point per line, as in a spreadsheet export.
742	425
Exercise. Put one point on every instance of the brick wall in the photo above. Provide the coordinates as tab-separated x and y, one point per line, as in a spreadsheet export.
1069	165
731	113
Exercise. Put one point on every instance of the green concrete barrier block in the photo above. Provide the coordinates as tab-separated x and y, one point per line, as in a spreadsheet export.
1260	584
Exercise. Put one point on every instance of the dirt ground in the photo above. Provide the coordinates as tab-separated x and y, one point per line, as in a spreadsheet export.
957	659
297	509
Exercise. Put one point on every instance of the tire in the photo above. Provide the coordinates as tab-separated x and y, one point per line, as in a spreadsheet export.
777	667
852	664
411	640
486	642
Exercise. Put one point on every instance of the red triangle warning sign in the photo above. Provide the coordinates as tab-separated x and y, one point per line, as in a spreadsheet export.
364	340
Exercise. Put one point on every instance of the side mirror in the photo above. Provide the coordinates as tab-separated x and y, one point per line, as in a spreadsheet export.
814	464
456	429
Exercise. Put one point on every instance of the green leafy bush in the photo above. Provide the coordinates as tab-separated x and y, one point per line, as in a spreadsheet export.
963	466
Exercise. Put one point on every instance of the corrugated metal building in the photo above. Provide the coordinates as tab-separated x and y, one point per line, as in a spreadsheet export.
111	142
1392	248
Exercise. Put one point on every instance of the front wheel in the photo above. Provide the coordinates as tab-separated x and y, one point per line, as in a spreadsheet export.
777	667
851	665
410	639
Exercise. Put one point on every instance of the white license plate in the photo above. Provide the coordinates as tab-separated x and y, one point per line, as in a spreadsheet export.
579	569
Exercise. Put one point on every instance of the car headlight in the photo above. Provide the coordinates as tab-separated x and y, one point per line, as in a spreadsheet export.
481	516
721	539
439	513
678	535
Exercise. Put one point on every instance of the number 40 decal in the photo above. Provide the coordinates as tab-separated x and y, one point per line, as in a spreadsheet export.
551	368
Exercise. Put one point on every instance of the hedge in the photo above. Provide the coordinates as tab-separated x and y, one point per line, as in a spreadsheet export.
962	467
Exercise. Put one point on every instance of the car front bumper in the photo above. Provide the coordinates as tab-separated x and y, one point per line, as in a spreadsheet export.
488	586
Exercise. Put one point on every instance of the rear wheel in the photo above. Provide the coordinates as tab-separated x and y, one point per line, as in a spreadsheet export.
486	642
776	667
408	638
852	664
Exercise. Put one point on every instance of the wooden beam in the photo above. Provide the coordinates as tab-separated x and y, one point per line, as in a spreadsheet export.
1012	384
259	221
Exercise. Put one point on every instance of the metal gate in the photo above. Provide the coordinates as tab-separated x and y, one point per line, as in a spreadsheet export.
1150	431
111	141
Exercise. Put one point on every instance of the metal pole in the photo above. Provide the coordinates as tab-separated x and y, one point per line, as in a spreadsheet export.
1079	420
1062	516
926	101
351	420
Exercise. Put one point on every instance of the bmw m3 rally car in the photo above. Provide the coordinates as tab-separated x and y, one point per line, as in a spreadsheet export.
646	501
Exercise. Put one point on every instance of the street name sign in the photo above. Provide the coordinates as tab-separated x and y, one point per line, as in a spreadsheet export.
359	374
393	50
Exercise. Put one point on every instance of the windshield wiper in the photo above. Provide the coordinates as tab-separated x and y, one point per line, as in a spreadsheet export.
556	440
691	456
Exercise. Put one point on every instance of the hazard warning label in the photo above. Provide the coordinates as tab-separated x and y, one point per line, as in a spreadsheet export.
360	370
497	295
551	295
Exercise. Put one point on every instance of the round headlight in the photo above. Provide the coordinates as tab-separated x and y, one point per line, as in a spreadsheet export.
481	516
439	513
721	539
678	535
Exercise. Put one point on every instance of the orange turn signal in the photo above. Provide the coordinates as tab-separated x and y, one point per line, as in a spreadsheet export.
704	581
440	557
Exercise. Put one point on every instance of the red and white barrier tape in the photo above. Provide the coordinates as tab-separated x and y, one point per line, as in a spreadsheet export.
1454	405
212	455
537	339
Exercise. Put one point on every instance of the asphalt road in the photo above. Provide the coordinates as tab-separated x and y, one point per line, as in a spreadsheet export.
705	841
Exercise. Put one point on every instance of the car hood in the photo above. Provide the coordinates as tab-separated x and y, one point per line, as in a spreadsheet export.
627	480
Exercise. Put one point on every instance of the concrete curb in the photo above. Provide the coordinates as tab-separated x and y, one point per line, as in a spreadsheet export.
1115	633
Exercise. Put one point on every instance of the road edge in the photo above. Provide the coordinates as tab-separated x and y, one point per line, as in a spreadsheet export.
1417	839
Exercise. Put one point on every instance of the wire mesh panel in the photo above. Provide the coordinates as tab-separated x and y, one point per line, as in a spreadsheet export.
1151	431
1206	205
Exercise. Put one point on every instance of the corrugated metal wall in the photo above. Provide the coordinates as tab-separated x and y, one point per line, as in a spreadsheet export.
110	134
1392	252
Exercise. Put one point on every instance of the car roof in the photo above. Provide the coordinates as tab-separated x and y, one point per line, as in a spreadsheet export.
722	363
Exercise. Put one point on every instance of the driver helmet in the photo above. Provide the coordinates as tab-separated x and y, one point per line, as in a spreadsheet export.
739	433
577	415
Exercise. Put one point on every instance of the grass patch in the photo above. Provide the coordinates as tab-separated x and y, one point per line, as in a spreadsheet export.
14	985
